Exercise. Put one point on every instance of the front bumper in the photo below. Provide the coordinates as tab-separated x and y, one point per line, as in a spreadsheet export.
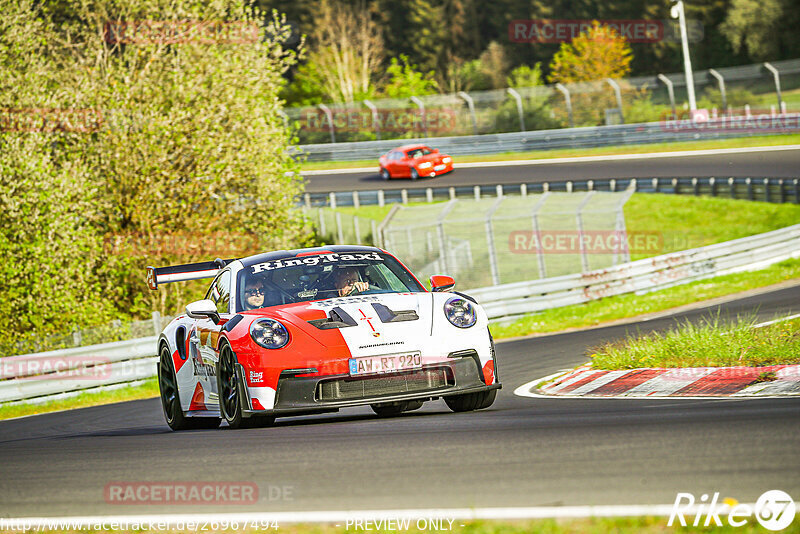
317	394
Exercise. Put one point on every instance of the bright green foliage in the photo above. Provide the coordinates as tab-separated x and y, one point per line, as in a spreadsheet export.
598	53
764	28
405	81
187	164
525	76
712	343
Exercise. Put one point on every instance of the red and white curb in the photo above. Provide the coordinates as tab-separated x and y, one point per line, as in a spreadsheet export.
767	381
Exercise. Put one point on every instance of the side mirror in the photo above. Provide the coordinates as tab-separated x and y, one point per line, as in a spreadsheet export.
440	282
203	309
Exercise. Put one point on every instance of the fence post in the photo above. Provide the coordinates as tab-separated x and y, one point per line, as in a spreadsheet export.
156	323
776	75
796	192
421	105
307	199
568	101
332	197
429	194
452	193
356	200
618	94
590	185
712	184
612	185
767	197
721	82
569	186
523	190
579	220
375	119
655	185
749	188
404	196
493	267
327	111
516	96
732	185
671	92
471	105
381	198
77	337
539	251
321	222
477	191
339	230
782	190
695	188
499	189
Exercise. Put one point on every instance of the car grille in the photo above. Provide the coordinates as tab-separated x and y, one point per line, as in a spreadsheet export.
377	386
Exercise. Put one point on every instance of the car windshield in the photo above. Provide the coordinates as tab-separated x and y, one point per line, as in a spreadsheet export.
321	276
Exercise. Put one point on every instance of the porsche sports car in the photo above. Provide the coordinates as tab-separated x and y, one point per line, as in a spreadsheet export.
314	330
413	161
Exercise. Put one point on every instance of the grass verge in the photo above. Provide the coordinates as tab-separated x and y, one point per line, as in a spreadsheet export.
739	142
630	305
146	390
708	344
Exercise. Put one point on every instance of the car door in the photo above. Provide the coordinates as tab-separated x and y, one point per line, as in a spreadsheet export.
204	344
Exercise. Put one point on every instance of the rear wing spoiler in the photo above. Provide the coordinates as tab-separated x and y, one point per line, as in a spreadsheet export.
181	273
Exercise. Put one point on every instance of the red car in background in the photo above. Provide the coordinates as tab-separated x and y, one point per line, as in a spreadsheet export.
414	161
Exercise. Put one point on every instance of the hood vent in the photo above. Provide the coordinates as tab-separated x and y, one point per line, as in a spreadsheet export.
337	318
389	316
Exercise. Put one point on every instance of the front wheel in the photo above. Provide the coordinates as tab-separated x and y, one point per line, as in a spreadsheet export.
471	401
170	399
414	174
385	174
228	386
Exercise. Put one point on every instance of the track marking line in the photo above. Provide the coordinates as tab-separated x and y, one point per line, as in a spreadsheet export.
333	516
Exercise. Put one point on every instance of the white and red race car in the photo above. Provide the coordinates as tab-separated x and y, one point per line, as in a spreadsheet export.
314	330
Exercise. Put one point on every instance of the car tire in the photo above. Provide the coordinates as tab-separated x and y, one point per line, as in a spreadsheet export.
414	174
170	399
230	407
471	401
392	409
385	174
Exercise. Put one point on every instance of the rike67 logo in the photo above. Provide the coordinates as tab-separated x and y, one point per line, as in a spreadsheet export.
774	510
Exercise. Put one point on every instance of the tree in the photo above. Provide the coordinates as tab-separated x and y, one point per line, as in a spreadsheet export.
405	80
596	54
186	157
347	49
765	29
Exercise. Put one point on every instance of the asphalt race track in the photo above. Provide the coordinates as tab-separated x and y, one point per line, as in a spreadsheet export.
520	452
769	164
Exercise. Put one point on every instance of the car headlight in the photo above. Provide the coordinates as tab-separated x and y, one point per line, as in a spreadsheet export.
447	159
460	312
269	333
426	165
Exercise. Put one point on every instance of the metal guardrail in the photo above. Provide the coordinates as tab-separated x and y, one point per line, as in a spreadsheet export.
588	137
645	275
43	374
771	189
37	376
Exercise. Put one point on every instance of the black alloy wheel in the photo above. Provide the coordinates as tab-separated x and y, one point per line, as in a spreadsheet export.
471	401
170	399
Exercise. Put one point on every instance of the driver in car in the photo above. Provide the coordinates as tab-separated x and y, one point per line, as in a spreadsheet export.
254	294
348	282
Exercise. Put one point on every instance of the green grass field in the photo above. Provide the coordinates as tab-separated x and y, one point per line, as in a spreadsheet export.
767	140
708	344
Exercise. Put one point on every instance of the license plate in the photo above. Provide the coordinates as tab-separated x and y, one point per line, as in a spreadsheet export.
439	167
385	364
